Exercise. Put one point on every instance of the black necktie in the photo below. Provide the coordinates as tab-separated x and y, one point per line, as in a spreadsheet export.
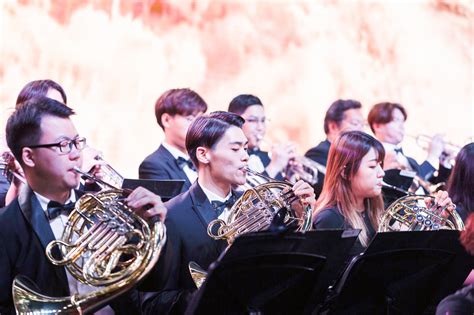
181	162
220	206
55	209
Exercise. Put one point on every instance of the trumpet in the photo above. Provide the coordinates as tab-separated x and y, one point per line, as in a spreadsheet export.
423	141
301	167
7	167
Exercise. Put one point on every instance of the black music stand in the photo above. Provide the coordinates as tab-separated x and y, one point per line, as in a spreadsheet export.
273	273
402	273
165	188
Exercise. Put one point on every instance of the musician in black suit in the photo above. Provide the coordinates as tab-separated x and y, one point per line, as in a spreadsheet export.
175	110
218	147
251	109
44	140
387	121
342	115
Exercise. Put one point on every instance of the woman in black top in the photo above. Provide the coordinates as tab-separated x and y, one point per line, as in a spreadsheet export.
461	181
351	197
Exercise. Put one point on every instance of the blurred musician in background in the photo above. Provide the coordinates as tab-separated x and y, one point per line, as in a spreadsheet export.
251	109
342	115
175	110
387	121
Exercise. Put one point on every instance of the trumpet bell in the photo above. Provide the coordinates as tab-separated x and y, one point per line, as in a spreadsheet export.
410	213
105	245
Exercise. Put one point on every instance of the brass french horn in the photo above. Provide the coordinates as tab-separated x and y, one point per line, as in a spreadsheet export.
410	213
104	244
256	210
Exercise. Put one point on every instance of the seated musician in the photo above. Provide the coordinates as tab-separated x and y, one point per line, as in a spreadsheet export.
342	115
218	147
351	196
50	89
387	121
251	109
461	181
175	110
44	140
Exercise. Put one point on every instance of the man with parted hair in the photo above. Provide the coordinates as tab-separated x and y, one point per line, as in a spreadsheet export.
44	140
175	110
342	115
387	121
218	147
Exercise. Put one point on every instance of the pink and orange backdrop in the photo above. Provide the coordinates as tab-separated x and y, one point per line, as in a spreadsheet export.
115	57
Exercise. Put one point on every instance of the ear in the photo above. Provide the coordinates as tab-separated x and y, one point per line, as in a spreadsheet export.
333	127
343	173
377	127
203	155
28	157
166	120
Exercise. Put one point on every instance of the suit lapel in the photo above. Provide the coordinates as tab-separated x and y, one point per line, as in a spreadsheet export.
34	214
171	162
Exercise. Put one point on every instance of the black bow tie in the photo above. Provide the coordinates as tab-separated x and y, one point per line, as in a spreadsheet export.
55	209
181	162
220	206
398	150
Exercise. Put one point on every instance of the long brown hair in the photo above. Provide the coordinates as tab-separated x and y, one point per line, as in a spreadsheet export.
344	160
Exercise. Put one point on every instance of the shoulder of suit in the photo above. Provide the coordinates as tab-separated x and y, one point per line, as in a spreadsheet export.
9	214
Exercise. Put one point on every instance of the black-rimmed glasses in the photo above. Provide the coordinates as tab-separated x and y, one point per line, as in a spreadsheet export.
65	146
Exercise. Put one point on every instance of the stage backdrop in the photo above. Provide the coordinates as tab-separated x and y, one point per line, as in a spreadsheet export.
115	57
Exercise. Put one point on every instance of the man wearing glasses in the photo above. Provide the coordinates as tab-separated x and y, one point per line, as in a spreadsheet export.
45	142
251	109
342	115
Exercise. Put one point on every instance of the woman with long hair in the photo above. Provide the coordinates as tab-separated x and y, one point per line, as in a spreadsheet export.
461	181
352	193
351	197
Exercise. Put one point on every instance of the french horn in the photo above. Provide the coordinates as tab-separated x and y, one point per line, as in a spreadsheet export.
268	203
105	245
410	213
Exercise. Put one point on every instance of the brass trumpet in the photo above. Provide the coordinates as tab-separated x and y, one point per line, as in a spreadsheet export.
104	244
7	167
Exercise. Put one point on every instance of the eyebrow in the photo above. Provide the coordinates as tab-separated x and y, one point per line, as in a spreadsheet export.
239	142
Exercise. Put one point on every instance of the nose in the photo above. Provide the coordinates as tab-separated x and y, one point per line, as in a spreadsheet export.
75	154
245	156
381	172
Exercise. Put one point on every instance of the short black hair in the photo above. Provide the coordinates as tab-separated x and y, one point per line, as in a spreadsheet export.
207	130
24	125
39	88
241	102
179	102
335	112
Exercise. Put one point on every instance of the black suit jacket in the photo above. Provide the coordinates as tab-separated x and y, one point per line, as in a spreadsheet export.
188	216
161	164
24	234
4	186
319	154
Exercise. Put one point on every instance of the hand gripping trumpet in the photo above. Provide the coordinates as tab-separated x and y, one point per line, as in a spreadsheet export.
410	213
104	244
